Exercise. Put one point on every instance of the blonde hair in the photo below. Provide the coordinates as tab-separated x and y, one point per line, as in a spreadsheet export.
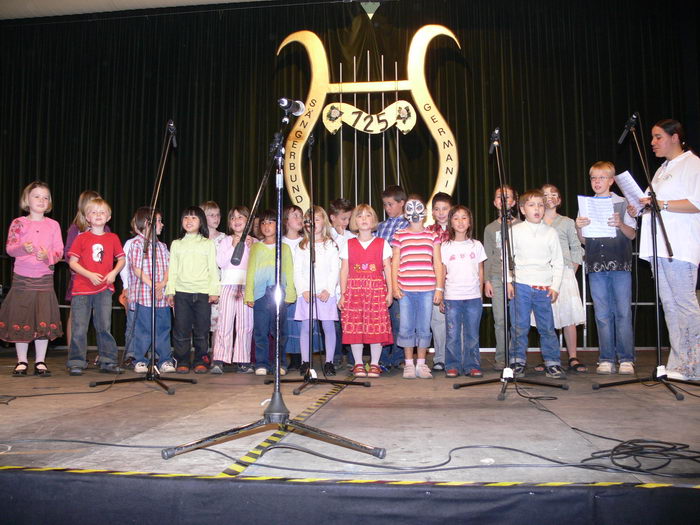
326	230
24	198
360	208
603	165
98	203
80	221
209	205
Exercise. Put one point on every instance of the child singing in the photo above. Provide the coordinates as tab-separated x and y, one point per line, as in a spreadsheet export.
365	291
30	311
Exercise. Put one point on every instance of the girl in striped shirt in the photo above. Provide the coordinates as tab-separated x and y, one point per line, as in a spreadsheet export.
416	268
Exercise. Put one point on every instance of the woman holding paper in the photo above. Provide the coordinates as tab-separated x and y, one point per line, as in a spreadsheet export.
677	187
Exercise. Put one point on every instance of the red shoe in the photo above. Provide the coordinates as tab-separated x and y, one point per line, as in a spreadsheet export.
359	371
452	372
374	371
475	372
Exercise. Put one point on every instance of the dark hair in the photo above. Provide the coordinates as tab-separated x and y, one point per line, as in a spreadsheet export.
395	192
556	190
140	220
285	217
673	127
199	213
441	196
269	215
339	206
242	210
454	210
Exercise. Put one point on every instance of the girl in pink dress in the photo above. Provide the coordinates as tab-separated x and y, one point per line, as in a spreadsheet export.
365	291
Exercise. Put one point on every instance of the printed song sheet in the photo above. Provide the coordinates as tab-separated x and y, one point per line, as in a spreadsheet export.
630	189
598	210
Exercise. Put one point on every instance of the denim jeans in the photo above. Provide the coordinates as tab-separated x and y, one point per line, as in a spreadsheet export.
677	280
612	303
192	318
416	310
129	333
462	348
392	355
499	319
100	306
438	326
528	299
142	333
264	312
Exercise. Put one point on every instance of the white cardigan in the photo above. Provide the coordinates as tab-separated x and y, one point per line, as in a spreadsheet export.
326	269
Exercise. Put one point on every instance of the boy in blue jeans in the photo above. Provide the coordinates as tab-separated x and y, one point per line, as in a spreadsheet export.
539	266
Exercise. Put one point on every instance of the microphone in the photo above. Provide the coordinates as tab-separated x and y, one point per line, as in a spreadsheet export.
238	252
631	123
495	137
172	131
295	107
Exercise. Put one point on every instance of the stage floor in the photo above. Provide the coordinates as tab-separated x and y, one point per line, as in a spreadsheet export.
417	421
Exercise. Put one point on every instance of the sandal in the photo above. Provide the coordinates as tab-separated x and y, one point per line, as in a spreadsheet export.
577	366
540	368
20	369
359	371
41	372
374	371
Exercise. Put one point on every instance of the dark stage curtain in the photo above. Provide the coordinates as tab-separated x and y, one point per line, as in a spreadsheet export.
84	100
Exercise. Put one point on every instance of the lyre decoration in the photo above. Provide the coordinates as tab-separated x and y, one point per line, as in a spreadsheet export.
400	113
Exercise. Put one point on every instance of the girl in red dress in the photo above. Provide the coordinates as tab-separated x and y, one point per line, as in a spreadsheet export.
365	291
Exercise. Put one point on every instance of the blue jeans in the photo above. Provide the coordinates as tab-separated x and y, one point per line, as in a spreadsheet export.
612	302
528	299
129	333
462	348
392	355
264	327
677	280
100	306
142	333
192	318
416	310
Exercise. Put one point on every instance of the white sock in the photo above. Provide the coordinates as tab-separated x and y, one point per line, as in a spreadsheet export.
375	351
357	353
410	362
22	349
420	362
40	345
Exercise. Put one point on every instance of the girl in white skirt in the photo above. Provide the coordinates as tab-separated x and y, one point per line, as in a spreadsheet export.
326	273
567	309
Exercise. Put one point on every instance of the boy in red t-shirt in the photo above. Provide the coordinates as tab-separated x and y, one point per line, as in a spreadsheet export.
92	257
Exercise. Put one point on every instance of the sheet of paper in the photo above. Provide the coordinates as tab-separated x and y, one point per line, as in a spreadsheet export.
630	189
598	210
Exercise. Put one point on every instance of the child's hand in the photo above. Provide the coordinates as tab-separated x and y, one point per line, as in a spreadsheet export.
582	221
442	307
249	241
110	278
96	278
171	300
213	299
324	295
306	296
553	294
42	254
389	300
488	289
614	221
511	291
28	247
250	303
341	302
398	294
437	297
631	211
122	297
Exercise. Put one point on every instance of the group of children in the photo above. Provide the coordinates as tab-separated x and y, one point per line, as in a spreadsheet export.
395	286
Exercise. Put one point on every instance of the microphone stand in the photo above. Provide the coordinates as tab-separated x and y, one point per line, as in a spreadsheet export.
153	374
276	412
507	266
659	374
310	378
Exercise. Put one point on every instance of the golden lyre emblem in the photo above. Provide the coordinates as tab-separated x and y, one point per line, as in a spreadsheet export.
401	113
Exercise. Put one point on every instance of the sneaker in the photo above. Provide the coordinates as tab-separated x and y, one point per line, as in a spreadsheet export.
111	368
129	362
216	369
245	369
261	371
438	367
140	368
283	371
626	368
555	372
518	369
475	372
328	369
384	369
166	368
423	372
452	372
201	369
605	368
374	371
183	369
359	371
409	371
669	374
304	368
75	371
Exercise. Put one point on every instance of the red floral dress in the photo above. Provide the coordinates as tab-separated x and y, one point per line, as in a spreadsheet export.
365	316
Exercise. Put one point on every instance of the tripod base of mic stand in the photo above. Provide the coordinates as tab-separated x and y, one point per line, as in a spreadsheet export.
507	378
285	425
149	376
659	376
308	381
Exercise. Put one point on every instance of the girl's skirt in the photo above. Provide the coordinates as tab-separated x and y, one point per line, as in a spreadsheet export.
327	311
568	308
30	310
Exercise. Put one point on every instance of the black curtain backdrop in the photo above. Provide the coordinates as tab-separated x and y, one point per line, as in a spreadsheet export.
84	100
